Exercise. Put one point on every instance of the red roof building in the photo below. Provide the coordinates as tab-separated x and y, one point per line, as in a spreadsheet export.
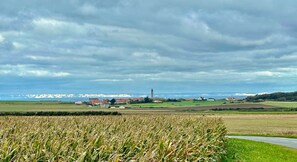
94	101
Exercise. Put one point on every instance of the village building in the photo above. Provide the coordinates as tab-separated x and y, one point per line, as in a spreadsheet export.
201	99
230	99
78	103
94	101
137	99
120	101
157	101
97	102
105	103
122	107
211	99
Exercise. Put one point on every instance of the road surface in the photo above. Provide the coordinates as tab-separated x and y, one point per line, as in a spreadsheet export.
288	142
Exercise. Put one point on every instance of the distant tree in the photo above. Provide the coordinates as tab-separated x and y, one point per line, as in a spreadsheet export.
112	101
147	100
173	100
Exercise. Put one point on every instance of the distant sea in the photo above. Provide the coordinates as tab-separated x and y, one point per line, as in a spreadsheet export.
85	97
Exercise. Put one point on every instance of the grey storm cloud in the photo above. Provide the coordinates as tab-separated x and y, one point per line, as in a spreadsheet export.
207	41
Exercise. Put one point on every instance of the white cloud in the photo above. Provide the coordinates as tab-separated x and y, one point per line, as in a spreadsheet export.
250	94
198	29
58	27
39	58
77	95
88	9
151	58
266	73
113	80
18	45
1	38
29	70
154	41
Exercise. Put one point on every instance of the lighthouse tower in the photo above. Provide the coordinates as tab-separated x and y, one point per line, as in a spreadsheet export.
152	93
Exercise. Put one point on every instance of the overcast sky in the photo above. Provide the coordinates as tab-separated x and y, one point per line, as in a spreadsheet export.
115	46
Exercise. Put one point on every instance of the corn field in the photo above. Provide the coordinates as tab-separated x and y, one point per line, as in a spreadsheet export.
112	138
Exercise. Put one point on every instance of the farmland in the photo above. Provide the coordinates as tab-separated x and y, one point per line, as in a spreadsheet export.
120	138
281	104
261	124
21	106
171	106
179	104
187	130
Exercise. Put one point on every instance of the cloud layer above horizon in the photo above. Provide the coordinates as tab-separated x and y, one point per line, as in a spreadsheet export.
132	45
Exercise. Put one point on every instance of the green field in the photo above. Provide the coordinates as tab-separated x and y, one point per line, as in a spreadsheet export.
281	104
58	106
261	124
251	151
40	106
181	104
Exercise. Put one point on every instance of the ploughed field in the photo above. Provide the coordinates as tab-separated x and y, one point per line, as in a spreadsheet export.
116	138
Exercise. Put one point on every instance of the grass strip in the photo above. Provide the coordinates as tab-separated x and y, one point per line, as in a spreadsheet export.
251	151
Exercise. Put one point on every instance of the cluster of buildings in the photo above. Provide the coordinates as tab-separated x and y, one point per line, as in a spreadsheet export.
205	99
106	103
234	99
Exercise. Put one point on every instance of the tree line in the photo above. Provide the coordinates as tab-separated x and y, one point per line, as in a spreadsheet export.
278	96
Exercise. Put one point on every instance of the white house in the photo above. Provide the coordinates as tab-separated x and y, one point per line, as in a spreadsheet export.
211	99
78	103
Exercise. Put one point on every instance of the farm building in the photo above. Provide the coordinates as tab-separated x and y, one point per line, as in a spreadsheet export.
137	99
122	107
97	102
157	101
211	99
230	99
94	101
78	103
122	101
104	103
234	99
201	99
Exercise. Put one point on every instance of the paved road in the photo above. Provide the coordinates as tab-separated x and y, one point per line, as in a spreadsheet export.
288	142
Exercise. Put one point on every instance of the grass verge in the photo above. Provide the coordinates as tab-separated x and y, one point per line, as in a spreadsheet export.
251	151
263	135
